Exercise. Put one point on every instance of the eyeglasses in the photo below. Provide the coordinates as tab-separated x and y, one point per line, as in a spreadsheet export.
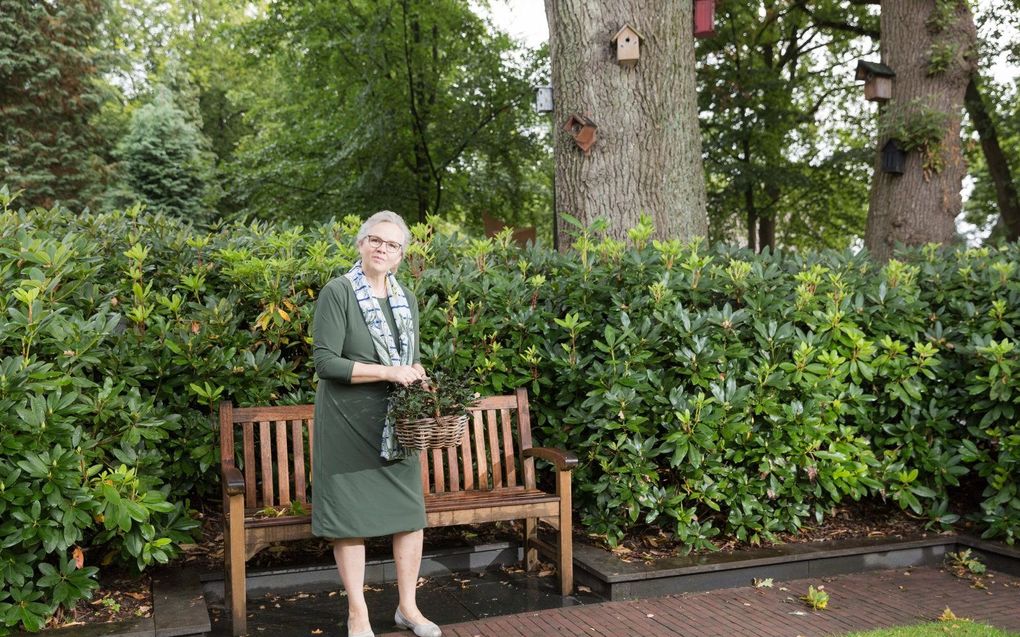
391	246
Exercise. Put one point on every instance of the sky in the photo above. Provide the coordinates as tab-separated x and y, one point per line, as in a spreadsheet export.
523	19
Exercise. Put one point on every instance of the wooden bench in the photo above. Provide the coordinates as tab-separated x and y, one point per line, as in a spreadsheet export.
265	455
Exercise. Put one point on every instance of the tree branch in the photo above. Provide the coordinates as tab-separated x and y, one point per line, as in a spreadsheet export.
998	164
840	25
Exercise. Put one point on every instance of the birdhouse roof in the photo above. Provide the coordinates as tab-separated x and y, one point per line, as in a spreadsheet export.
581	120
626	27
892	144
866	68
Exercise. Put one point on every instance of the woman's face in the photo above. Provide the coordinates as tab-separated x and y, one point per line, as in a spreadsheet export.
382	248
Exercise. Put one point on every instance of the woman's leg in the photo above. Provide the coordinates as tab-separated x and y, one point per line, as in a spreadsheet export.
407	555
350	561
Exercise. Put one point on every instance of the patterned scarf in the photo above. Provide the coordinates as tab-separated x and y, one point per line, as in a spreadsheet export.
385	345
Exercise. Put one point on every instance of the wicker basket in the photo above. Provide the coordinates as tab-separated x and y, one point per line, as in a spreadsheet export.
431	433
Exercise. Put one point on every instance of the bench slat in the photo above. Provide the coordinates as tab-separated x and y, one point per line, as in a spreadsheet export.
487	496
311	443
249	463
467	464
495	457
509	453
282	465
298	441
454	467
524	433
436	459
474	515
479	439
286	412
496	402
266	458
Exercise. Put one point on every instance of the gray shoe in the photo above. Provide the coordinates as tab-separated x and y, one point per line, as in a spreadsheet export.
364	633
427	629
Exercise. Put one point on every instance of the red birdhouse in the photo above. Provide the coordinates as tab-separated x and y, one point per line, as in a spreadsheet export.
582	130
704	18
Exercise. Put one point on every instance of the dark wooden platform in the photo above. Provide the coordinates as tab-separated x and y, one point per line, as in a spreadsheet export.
857	602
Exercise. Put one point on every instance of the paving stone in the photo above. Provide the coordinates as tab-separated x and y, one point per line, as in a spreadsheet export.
178	606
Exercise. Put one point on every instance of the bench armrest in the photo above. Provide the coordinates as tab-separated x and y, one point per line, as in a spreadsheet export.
562	460
233	481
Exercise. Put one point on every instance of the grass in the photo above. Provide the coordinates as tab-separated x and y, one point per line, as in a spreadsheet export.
955	627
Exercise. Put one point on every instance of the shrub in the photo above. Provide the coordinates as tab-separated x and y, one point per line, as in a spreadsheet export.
712	393
70	432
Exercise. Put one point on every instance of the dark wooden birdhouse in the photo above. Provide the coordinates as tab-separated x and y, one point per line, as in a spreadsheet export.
582	130
627	42
894	158
704	18
877	80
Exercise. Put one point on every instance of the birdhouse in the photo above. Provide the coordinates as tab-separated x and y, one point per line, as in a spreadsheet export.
704	18
582	130
894	158
628	46
877	80
544	99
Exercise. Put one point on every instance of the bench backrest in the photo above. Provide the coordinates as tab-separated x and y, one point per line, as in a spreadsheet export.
489	456
272	446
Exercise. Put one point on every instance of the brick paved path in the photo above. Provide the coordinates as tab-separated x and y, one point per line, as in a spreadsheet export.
857	602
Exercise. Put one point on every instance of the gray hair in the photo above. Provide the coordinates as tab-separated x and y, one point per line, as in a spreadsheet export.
380	217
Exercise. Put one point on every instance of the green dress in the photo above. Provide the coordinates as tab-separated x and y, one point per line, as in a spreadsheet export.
355	492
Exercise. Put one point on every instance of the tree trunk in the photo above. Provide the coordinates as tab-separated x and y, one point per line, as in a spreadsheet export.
921	205
647	156
752	223
998	165
766	234
749	206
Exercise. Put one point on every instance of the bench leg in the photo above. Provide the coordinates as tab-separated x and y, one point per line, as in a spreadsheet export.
530	550
234	592
565	545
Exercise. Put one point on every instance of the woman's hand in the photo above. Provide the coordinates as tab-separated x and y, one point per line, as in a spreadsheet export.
405	374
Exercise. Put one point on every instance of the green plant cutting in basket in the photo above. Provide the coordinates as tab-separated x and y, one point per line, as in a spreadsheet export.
439	395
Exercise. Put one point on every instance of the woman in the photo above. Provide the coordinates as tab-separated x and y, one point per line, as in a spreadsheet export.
365	336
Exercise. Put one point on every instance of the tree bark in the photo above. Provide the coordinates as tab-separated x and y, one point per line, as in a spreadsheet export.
998	165
921	206
647	157
752	219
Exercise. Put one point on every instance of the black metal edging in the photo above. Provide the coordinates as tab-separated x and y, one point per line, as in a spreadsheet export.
608	576
995	555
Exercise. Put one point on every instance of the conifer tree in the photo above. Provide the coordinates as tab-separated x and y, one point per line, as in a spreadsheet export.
160	159
48	94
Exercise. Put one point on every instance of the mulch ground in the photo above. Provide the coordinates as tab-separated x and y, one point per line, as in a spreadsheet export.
865	519
121	596
124	596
